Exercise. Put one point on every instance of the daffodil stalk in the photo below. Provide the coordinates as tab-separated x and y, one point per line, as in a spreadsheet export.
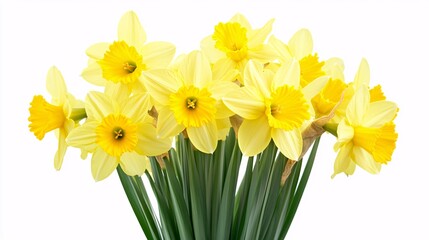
246	100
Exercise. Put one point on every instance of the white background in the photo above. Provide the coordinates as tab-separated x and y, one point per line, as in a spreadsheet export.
37	202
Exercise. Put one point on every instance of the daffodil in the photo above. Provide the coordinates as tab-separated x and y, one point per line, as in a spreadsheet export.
273	106
59	115
118	133
366	136
124	60
187	98
300	47
337	89
235	42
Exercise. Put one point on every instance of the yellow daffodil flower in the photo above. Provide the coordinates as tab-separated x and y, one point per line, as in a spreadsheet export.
273	106
59	115
188	98
124	60
234	43
116	132
300	47
366	136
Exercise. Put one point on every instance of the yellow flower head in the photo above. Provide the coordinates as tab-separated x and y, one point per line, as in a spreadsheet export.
45	117
125	59
188	98
300	48
121	63
58	115
272	108
193	107
366	136
118	132
231	38
234	43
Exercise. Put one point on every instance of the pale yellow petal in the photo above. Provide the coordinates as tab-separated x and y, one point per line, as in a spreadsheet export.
56	86
245	103
362	75
131	31
263	53
334	67
379	113
102	164
98	105
281	48
345	133
351	169
83	136
228	66
365	160
358	106
158	54
224	73
167	125
258	36
149	144
61	151
314	87
301	44
254	136
196	70
137	106
134	164
96	51
253	76
204	138
117	91
242	20
219	89
288	142
288	74
208	47
93	74
160	83
343	160
223	128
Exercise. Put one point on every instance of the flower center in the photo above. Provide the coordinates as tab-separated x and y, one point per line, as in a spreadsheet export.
380	142
328	97
116	134
191	103
45	117
121	63
129	66
193	107
311	69
287	108
231	39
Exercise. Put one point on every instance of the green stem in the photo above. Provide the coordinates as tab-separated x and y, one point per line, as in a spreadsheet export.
301	187
139	200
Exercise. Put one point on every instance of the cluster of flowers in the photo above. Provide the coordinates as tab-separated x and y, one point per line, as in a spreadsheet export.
242	77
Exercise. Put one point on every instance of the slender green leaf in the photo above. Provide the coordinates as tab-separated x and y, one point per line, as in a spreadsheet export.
257	192
241	201
198	208
226	210
141	207
301	187
179	205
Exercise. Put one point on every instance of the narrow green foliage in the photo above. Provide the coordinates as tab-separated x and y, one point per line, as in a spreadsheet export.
301	187
140	204
198	198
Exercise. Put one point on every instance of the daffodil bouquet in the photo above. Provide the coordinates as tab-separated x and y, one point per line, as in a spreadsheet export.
245	100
